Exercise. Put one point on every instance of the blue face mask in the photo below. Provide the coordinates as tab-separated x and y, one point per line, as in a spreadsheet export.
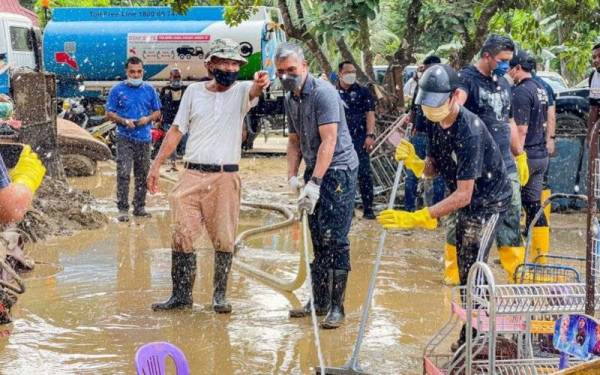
135	82
501	68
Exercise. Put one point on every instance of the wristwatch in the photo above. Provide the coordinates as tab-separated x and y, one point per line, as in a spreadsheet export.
371	135
317	180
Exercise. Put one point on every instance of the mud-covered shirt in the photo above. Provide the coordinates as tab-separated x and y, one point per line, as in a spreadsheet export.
319	104
549	90
466	151
530	108
358	101
133	103
490	99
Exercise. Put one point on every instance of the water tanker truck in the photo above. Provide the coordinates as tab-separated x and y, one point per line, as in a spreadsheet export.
86	48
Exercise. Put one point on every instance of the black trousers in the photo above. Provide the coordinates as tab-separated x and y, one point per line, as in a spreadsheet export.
365	178
470	228
137	155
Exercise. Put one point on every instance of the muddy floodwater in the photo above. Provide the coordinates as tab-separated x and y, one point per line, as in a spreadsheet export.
87	306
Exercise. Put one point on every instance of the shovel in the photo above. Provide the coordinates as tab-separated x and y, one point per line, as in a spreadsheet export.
353	366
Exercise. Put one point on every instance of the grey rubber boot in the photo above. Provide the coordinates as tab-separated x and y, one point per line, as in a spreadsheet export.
183	274
335	316
222	268
321	292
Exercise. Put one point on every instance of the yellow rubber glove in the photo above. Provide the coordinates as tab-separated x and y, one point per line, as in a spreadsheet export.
29	170
396	219
406	152
522	168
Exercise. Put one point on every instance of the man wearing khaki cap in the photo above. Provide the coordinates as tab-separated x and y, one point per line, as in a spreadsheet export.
207	195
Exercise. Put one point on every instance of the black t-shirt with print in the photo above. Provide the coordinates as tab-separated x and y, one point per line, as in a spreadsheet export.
530	108
466	151
490	99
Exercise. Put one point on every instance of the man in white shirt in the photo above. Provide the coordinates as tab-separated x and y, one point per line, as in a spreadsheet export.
594	82
207	195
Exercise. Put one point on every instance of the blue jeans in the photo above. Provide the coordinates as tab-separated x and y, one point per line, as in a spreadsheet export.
330	223
411	181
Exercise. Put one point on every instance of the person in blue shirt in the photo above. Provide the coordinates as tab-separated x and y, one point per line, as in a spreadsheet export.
133	105
360	117
419	140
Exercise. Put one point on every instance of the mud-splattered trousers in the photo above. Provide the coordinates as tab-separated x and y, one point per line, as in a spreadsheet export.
470	232
330	223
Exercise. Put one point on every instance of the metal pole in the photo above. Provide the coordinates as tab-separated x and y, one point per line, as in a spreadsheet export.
592	139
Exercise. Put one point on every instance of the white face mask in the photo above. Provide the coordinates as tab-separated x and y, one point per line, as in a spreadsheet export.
349	78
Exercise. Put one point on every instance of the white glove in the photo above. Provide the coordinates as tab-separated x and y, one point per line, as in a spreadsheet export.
295	184
309	197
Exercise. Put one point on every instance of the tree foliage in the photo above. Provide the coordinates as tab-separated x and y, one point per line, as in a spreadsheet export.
401	32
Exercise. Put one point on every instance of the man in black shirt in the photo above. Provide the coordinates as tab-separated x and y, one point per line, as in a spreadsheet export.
530	110
484	91
170	97
462	151
360	117
419	140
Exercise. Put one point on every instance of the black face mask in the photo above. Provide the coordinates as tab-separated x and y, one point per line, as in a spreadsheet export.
224	78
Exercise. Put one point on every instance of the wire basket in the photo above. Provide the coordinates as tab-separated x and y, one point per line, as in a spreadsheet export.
534	273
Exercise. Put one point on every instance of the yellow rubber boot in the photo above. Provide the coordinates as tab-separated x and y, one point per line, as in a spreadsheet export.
548	209
511	258
540	243
450	265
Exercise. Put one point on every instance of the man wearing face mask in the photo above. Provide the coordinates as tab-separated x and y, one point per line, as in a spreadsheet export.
461	149
318	134
133	105
594	82
530	109
170	97
484	91
360	117
419	140
207	195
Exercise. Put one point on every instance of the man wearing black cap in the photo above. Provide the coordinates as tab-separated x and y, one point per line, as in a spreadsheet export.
484	91
462	151
530	110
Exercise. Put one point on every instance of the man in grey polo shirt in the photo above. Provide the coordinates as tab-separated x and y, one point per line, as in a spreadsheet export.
318	134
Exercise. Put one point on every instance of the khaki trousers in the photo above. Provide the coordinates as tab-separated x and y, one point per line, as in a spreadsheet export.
205	201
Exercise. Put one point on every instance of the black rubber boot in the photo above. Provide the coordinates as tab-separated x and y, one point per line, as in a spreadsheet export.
321	294
183	274
336	315
222	267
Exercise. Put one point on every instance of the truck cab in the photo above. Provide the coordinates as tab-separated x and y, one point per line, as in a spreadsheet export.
17	41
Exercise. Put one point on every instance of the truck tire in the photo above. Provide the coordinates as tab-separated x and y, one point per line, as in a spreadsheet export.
569	124
182	56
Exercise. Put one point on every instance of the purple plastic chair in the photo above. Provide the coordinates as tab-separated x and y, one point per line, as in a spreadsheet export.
150	359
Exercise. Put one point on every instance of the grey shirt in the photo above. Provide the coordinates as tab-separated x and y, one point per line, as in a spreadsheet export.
320	104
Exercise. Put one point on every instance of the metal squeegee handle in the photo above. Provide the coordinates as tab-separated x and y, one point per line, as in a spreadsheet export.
354	360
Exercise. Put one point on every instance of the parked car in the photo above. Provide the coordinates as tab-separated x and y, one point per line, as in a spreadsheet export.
572	107
555	80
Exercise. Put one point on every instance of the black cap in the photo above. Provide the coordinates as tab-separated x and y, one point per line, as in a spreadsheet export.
436	85
522	58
